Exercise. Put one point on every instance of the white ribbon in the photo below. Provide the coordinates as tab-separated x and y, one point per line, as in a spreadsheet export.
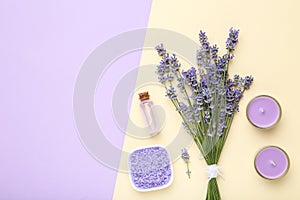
213	171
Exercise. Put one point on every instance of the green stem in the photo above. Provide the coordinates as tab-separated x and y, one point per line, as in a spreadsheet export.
196	139
188	170
213	192
223	138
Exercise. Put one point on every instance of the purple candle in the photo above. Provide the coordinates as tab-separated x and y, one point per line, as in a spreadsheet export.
272	162
263	111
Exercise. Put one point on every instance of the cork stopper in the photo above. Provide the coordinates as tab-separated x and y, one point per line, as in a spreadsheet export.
144	96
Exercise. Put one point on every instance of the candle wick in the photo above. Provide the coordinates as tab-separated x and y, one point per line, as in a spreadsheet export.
261	110
273	163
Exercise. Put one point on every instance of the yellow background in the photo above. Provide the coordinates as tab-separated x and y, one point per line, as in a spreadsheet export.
268	49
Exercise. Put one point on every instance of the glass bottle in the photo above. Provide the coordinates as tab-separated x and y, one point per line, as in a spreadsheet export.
147	110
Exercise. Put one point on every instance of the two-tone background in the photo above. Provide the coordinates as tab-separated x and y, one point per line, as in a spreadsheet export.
43	48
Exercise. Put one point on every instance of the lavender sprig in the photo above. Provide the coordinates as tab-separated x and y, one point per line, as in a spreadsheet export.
232	40
204	96
186	158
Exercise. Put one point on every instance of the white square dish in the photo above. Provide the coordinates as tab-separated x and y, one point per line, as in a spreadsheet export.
150	168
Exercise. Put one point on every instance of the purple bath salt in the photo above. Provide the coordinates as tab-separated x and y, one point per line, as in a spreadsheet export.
150	168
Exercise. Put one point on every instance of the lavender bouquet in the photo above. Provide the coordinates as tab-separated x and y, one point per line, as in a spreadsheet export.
205	98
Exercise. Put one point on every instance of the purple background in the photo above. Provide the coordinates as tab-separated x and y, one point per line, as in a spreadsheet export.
42	47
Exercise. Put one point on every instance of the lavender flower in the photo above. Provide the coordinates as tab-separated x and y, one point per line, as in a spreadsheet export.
204	41
163	69
247	82
164	66
223	62
160	50
160	70
166	61
238	94
162	79
199	101
175	63
180	84
190	78
231	83
230	108
171	93
208	97
222	123
168	77
185	155
232	40
214	53
186	111
236	78
207	116
186	158
203	81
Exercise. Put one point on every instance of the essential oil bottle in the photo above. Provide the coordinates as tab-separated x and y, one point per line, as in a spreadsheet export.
148	113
